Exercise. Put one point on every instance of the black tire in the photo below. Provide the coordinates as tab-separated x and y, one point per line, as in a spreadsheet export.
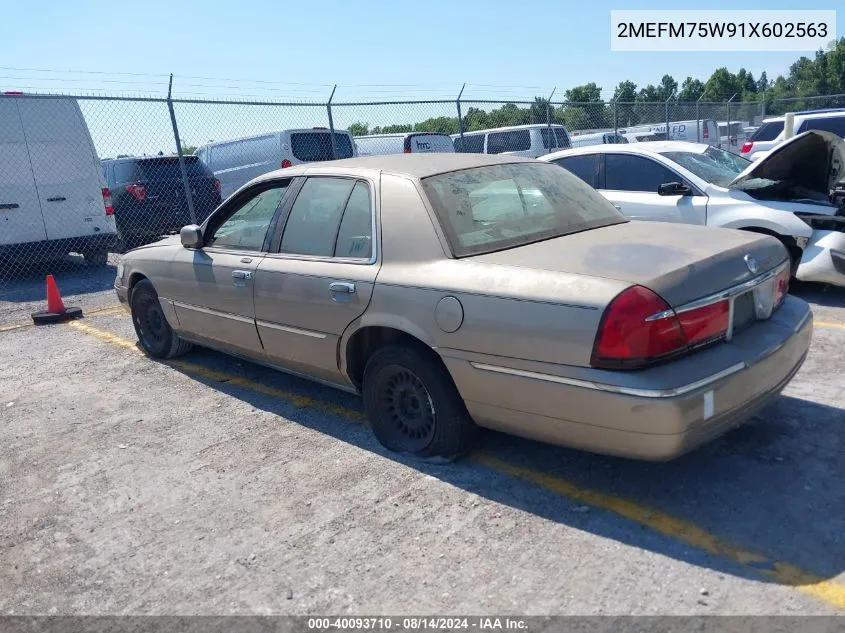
97	258
154	332
413	405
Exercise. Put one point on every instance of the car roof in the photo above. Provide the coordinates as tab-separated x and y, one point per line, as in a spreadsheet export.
413	165
511	128
811	114
400	135
136	159
645	147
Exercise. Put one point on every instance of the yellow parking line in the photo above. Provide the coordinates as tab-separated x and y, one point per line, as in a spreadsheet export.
840	326
105	311
679	529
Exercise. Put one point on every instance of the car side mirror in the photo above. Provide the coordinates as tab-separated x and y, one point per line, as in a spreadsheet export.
673	189
191	236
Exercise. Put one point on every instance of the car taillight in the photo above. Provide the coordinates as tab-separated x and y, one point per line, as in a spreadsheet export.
408	151
107	200
782	285
746	147
286	163
639	328
139	192
706	132
217	185
705	324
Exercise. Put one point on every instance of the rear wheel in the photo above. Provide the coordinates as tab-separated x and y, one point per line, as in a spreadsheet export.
413	405
156	336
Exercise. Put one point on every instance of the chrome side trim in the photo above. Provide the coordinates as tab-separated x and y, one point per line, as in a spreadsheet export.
292	330
803	321
728	293
628	391
219	313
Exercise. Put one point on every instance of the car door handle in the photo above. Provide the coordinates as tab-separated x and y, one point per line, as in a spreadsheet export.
242	274
9	205
56	199
342	287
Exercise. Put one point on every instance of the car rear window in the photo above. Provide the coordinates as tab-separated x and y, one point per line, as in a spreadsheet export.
316	146
167	168
492	208
768	131
561	140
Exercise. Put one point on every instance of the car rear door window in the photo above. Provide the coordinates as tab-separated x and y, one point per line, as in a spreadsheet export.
247	227
833	124
586	167
635	173
512	141
354	238
312	225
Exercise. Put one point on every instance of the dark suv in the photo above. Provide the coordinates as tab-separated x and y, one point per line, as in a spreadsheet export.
149	199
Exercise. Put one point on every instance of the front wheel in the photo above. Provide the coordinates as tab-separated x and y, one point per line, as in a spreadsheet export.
156	336
413	405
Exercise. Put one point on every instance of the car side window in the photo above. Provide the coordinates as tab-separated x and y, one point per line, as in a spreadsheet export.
247	227
833	124
512	141
635	173
312	225
585	167
354	237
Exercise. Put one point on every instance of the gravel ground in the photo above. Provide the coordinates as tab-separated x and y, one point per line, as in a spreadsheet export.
212	486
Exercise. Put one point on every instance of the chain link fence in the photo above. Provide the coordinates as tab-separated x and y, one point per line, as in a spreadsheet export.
83	179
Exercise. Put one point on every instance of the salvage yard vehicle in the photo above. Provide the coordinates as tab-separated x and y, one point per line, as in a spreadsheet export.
237	161
149	198
451	290
403	143
787	194
773	131
530	140
53	200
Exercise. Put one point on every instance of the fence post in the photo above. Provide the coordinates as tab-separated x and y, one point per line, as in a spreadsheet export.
615	121
762	109
331	123
667	117
186	186
552	139
728	120
698	119
460	116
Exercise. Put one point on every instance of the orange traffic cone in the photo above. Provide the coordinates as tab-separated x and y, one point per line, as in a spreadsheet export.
56	310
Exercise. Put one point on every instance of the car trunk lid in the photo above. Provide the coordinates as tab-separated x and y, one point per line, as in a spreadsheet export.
681	263
805	167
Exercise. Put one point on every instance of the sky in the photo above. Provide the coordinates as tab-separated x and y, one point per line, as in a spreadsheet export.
293	50
373	49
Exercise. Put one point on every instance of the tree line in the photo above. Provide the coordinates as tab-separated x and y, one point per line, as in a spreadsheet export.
584	108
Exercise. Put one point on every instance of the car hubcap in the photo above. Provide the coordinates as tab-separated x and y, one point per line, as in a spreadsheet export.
406	407
152	325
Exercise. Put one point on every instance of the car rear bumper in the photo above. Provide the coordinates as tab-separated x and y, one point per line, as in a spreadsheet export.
654	414
824	258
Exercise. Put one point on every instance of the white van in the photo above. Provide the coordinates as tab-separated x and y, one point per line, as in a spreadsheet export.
702	131
596	138
732	135
403	143
531	140
235	162
53	199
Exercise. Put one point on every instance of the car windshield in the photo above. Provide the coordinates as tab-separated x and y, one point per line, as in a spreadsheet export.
492	208
713	165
